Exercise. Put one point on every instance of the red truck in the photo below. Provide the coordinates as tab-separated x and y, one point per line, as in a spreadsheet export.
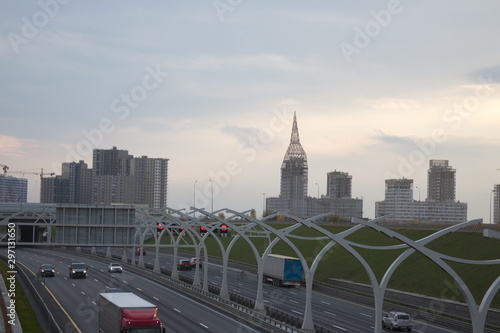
124	312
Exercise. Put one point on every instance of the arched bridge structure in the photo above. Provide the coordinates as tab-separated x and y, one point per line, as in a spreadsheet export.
178	230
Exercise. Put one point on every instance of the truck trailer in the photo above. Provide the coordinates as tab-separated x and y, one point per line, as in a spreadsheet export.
282	270
124	312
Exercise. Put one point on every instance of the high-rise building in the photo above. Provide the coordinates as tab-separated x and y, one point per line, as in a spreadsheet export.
293	196
116	177
440	181
79	182
440	206
111	178
294	177
13	189
496	204
151	180
398	200
338	185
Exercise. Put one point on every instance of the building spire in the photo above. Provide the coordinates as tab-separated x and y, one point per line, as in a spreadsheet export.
295	149
295	131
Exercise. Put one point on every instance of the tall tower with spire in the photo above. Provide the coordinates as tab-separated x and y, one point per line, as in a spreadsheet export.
294	171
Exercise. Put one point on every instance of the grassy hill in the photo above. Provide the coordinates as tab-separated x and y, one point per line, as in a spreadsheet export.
416	274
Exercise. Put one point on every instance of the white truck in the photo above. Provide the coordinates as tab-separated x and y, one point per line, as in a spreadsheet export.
123	312
282	270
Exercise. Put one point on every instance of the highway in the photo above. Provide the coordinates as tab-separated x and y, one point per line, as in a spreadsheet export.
330	312
180	313
77	297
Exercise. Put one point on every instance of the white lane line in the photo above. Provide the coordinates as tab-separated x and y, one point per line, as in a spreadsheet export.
330	313
340	328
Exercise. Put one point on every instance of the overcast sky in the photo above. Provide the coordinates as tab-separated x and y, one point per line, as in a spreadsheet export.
379	88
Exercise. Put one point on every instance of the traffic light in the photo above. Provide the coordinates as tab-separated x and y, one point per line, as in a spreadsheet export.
223	230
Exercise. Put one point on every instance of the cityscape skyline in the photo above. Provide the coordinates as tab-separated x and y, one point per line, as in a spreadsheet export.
214	91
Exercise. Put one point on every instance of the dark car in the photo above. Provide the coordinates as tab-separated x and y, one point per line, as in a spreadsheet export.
139	250
184	264
194	261
47	270
397	321
78	270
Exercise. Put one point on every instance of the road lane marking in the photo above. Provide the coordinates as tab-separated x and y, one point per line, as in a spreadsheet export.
175	309
203	325
330	313
366	315
340	328
297	312
326	303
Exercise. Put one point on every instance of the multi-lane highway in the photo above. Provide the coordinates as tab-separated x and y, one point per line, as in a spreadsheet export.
77	297
180	313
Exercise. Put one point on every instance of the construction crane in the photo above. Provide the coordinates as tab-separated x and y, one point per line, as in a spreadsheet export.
41	173
5	168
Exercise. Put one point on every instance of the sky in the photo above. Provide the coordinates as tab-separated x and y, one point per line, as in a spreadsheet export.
379	89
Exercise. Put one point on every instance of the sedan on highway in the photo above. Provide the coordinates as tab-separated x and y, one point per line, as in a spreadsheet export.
195	261
397	321
47	270
115	268
184	264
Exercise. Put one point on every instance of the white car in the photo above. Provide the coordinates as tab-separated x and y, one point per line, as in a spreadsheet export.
395	320
115	268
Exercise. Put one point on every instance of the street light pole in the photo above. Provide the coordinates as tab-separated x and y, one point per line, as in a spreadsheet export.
418	207
194	196
492	191
212	194
263	204
318	189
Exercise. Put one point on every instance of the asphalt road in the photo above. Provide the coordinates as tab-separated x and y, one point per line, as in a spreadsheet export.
77	297
330	312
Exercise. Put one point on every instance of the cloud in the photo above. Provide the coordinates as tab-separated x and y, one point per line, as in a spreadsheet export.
14	147
486	72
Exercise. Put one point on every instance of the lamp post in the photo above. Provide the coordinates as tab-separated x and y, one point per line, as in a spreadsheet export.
212	194
263	204
492	191
194	196
318	189
418	207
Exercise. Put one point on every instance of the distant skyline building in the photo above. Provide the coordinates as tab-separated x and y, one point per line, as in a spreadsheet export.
293	196
116	177
440	181
294	178
338	185
111	179
151	176
13	189
496	204
440	206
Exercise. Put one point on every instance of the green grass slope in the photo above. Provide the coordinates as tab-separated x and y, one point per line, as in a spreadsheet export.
416	274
